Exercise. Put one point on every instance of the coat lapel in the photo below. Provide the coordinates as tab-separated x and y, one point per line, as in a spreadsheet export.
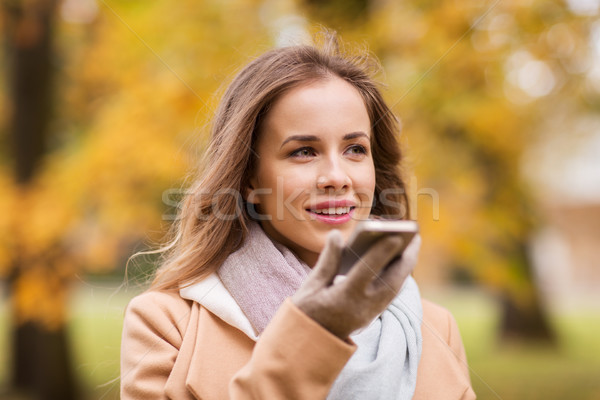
218	352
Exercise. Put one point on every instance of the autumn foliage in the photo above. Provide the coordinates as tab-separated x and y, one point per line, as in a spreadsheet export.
136	84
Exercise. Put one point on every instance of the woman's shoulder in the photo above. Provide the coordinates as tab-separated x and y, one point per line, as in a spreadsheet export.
158	300
436	314
158	308
441	320
440	329
443	361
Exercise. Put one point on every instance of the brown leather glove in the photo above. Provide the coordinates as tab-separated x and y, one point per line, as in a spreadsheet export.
370	286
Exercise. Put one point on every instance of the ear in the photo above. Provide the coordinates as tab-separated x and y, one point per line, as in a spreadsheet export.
249	194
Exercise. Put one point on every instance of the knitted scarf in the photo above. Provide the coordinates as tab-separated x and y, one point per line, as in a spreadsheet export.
262	274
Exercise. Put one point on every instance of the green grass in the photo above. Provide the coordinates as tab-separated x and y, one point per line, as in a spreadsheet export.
515	371
95	329
570	371
95	325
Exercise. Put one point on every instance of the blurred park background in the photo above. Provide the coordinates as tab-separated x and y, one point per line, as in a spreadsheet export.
104	108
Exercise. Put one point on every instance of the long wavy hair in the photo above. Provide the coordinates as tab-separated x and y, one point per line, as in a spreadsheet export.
212	221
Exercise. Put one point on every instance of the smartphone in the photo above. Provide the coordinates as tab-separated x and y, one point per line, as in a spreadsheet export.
368	232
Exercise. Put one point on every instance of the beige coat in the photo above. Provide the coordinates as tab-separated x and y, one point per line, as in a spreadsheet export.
175	348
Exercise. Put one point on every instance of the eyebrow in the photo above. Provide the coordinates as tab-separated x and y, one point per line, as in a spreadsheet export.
313	138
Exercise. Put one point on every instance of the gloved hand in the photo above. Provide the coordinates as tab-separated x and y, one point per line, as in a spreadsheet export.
369	288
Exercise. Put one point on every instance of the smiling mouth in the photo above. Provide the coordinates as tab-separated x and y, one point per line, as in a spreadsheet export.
332	211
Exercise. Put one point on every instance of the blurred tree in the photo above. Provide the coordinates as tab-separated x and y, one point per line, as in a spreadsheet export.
41	362
338	13
473	82
96	171
460	113
130	84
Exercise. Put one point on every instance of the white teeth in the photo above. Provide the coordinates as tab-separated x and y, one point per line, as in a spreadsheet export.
333	210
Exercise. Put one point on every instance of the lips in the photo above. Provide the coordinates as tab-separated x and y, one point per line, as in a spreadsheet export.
333	207
333	211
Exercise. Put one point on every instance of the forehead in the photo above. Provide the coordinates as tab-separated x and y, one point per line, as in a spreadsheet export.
323	108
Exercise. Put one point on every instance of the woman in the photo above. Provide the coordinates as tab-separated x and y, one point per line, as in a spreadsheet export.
247	304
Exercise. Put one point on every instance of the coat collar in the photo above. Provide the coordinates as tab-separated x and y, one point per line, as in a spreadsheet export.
211	294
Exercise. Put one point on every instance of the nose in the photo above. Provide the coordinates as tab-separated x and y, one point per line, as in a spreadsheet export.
333	176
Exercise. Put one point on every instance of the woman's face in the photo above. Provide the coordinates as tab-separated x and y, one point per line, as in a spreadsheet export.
315	169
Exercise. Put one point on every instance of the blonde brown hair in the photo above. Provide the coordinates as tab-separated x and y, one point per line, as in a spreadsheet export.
212	221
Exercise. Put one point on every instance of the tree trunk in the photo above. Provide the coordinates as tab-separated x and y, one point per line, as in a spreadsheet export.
41	361
29	47
524	323
42	364
523	314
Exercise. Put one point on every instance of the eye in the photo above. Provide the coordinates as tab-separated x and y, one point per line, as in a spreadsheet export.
356	149
303	152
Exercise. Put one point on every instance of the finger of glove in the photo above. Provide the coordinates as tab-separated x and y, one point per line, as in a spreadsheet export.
374	260
329	261
393	277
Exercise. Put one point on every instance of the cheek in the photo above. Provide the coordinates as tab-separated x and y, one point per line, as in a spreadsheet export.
284	184
287	179
364	183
